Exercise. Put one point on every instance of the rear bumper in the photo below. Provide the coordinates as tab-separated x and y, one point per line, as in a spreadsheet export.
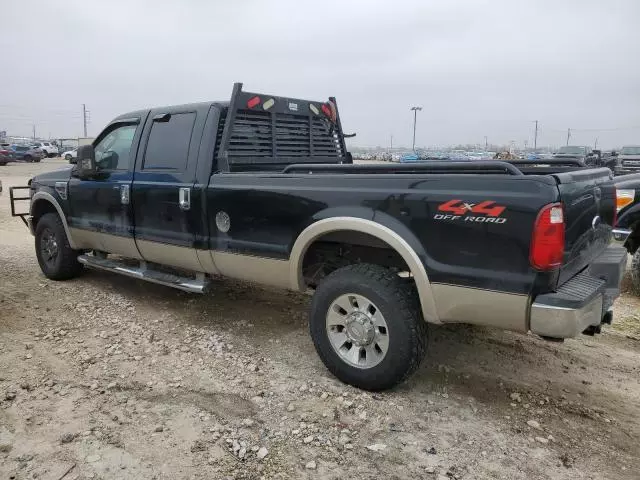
581	302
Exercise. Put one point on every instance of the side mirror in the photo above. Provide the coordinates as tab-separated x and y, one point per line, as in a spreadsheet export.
86	163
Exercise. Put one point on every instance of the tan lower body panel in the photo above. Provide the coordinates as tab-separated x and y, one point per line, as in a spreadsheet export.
266	271
457	304
173	255
86	239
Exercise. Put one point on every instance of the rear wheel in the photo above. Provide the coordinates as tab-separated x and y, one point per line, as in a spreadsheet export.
58	261
366	326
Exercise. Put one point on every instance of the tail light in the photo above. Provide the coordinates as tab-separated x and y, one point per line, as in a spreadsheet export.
624	197
547	241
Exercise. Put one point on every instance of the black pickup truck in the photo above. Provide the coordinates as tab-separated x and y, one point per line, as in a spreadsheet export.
262	188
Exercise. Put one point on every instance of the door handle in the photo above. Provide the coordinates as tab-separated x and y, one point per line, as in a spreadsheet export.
184	198
124	194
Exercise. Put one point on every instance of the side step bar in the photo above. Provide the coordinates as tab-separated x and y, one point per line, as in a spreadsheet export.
199	284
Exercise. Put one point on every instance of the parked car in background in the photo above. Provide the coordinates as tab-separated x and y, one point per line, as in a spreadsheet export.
6	154
27	153
609	159
71	155
628	160
626	231
580	152
48	148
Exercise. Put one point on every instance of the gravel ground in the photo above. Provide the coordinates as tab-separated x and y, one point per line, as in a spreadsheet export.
106	377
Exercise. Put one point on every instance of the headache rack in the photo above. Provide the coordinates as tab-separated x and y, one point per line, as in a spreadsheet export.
265	132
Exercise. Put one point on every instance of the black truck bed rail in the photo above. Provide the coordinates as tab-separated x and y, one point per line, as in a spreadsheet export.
487	168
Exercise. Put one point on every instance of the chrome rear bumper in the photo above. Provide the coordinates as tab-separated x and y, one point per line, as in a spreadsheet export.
582	302
564	322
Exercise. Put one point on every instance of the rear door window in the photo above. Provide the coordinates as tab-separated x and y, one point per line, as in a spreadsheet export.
169	141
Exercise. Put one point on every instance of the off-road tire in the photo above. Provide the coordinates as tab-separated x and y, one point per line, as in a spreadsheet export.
65	265
635	272
397	302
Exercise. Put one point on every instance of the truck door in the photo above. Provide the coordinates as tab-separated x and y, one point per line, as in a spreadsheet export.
100	209
166	214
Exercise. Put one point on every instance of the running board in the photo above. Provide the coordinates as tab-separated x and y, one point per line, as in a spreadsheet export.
199	284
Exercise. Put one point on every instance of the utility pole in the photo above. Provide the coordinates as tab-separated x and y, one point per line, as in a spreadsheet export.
568	135
486	143
34	133
415	118
535	138
84	118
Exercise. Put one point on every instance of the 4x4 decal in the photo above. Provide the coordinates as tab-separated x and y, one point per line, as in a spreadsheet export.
486	211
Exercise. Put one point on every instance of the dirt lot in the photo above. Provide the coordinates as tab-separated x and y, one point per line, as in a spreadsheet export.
105	377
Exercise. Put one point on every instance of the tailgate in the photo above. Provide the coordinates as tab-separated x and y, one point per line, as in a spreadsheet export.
589	199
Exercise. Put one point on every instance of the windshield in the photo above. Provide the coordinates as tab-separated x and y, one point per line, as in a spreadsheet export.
572	150
630	151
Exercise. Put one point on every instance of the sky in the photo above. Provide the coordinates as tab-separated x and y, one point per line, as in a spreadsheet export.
478	68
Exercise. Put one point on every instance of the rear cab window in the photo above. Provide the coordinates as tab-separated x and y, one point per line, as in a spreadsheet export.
169	142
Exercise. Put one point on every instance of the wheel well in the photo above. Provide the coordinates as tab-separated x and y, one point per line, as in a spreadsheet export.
633	242
346	247
40	208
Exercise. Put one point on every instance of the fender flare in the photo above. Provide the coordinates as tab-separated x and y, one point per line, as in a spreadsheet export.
628	216
47	197
375	229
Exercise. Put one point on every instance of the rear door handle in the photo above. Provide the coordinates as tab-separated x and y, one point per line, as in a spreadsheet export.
184	198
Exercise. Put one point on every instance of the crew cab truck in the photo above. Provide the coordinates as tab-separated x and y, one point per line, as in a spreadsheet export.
584	153
262	188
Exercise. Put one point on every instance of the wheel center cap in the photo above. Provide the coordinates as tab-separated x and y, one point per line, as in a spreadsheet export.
360	329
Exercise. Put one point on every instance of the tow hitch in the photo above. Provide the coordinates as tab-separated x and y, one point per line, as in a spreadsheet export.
591	330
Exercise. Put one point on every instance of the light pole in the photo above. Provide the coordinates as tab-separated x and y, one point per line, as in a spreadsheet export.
415	118
535	138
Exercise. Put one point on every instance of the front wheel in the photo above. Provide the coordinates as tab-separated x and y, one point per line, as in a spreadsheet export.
67	158
366	326
58	261
28	158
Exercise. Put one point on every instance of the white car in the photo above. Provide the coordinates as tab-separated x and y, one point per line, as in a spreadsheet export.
48	148
71	155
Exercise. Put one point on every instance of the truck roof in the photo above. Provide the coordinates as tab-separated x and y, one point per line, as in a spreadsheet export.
190	106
